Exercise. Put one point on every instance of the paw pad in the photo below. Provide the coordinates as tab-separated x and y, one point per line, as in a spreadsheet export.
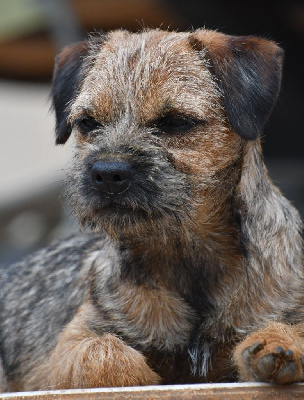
278	366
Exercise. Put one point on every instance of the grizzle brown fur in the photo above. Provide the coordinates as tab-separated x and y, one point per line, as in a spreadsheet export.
194	269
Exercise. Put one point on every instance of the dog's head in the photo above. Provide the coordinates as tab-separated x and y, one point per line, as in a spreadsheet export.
160	121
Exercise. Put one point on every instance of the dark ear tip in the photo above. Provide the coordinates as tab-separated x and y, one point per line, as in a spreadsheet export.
250	136
63	132
60	141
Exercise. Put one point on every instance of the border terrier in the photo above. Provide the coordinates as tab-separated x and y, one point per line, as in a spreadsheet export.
193	271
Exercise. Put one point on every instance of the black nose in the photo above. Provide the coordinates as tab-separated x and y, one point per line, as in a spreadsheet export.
111	177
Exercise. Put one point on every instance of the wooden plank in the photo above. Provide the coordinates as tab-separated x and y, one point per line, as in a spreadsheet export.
234	391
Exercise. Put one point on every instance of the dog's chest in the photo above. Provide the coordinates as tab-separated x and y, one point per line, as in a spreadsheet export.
153	317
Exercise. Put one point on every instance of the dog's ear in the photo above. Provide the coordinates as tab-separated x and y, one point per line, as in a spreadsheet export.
248	70
69	73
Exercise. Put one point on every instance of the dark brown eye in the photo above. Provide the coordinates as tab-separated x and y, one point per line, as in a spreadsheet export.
175	124
88	124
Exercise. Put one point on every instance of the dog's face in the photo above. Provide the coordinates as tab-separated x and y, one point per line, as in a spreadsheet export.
160	121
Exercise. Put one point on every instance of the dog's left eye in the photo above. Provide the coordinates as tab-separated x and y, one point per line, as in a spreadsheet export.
88	124
174	124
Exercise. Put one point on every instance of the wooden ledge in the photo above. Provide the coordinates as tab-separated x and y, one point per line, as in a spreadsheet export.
222	391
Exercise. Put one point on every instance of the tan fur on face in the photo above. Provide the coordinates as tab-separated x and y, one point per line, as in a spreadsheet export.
155	72
144	68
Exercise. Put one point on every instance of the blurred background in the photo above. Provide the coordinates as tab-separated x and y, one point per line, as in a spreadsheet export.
32	31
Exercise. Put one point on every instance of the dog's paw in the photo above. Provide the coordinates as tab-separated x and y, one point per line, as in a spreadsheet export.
272	365
91	362
274	355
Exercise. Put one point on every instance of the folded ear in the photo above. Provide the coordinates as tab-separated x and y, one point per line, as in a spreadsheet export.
69	73
248	70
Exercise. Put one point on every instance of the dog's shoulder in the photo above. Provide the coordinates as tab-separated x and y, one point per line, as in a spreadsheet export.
60	265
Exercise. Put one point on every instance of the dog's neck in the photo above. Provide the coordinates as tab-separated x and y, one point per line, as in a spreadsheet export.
194	257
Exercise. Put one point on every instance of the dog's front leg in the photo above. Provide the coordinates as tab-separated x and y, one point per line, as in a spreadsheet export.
82	359
274	354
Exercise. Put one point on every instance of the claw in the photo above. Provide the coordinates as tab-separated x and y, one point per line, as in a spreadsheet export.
255	348
288	353
250	351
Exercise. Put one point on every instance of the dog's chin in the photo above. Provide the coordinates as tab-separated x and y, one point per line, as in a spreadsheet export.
118	220
127	222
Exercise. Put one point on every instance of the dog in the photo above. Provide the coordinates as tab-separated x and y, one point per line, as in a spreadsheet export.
193	270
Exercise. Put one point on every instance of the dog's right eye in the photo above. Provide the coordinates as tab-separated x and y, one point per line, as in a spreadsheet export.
88	124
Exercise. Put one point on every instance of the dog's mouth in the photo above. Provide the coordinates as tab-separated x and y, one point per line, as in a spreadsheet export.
119	215
121	206
111	205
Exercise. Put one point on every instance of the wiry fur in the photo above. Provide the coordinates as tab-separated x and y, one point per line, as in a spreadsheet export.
199	251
